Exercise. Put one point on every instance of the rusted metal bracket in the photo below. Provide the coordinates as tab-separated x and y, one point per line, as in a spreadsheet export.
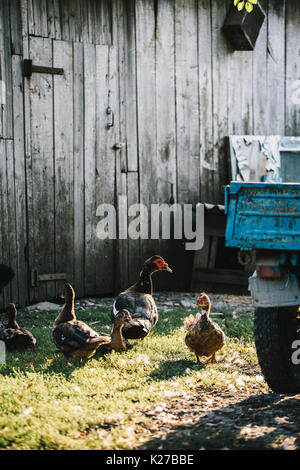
29	69
36	278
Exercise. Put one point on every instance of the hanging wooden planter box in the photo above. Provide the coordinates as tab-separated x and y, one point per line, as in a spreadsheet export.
242	28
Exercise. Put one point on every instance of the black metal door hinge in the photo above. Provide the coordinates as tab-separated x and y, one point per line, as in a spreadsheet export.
29	69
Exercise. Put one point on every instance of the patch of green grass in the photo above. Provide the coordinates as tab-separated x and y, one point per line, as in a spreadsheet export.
49	403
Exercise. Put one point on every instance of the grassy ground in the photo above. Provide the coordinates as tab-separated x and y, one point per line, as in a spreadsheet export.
104	403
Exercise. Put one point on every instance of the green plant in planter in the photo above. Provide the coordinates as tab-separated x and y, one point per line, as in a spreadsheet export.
248	4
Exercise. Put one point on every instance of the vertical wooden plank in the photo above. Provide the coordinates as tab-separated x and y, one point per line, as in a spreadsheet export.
8	219
65	24
121	246
106	95
54	19
187	118
98	22
276	66
27	125
165	117
131	157
75	20
221	79
84	34
24	8
146	106
247	92
292	105
2	83
20	179
213	252
15	23
40	18
100	90
58	25
187	101
130	88
240	91
134	256
51	19
91	13
27	134
71	20
119	34
7	115
64	161
40	168
89	163
259	81
165	94
104	166
201	258
78	150
5	68
127	157
206	101
11	217
29	10
4	242
104	13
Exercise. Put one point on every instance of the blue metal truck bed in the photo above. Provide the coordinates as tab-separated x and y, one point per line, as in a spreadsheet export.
263	222
263	216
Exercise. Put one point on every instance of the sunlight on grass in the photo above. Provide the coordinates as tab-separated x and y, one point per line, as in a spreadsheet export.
48	403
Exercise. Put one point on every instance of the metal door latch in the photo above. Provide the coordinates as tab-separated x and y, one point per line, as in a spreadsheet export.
29	69
109	112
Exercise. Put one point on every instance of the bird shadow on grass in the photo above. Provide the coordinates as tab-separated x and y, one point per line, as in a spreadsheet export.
63	366
168	370
50	363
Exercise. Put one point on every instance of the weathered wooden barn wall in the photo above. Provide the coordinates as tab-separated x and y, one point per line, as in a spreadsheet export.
176	88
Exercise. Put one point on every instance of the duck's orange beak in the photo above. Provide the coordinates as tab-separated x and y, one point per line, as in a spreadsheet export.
106	339
168	269
165	267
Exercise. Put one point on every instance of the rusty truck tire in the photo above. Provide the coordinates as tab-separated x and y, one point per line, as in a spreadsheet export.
276	331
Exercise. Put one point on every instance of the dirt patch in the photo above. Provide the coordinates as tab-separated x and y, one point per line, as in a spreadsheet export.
240	419
229	303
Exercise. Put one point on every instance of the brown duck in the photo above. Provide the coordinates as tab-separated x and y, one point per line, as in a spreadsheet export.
116	339
13	336
71	336
138	300
204	337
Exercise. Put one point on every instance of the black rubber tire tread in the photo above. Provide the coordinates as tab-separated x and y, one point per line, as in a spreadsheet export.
272	349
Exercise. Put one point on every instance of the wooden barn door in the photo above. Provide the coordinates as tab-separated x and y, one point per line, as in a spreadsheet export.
70	165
